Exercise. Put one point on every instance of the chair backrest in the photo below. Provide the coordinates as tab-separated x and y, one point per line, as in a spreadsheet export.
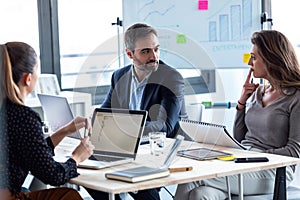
194	111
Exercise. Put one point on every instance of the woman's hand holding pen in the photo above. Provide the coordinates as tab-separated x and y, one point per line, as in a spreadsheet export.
77	124
85	148
81	122
248	88
70	128
83	151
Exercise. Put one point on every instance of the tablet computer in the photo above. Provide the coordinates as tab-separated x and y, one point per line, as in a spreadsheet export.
202	153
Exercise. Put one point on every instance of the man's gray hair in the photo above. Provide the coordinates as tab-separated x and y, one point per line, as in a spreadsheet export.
136	31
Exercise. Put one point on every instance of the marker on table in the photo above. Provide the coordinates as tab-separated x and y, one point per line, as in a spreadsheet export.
226	158
180	169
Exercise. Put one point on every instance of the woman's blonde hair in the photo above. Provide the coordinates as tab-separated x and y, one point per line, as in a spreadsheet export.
16	59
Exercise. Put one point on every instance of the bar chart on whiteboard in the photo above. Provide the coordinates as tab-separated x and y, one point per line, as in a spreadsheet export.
216	31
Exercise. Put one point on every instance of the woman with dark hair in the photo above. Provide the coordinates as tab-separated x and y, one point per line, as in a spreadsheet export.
23	148
270	124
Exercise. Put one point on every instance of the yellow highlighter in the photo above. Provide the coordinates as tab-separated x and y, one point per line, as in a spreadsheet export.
226	158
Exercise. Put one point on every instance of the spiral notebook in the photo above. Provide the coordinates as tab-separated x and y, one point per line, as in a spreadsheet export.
208	133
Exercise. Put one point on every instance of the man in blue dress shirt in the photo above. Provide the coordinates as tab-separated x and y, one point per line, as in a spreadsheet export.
147	84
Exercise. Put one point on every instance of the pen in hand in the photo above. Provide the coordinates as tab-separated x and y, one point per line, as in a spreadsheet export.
86	130
84	133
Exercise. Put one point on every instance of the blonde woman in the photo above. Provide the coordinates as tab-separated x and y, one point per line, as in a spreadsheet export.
23	148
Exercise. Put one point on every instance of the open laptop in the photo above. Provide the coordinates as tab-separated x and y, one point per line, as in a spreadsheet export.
57	111
116	135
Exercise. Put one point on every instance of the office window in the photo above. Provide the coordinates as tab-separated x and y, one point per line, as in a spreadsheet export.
285	16
88	41
19	22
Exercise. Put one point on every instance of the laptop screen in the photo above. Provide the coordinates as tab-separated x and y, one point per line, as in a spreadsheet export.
117	131
57	112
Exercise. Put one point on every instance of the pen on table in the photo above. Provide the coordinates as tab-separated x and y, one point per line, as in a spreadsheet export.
180	169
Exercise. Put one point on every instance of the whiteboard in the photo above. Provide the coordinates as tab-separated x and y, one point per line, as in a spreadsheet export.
203	34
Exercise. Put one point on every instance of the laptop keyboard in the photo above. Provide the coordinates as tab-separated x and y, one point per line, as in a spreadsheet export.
105	158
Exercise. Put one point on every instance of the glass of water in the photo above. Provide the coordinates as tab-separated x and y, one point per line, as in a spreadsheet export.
157	142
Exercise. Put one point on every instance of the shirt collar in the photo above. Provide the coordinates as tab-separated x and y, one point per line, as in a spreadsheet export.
134	77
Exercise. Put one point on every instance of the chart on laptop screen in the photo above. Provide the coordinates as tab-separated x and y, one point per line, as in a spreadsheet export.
116	132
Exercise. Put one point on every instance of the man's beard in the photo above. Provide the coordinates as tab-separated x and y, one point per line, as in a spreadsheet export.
147	68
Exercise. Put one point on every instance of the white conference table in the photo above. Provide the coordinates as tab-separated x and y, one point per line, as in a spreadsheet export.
95	179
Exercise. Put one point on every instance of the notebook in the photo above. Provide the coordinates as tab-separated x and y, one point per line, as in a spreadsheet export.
143	173
57	112
116	135
208	133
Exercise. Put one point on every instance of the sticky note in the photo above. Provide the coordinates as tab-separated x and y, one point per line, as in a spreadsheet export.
181	39
203	5
246	57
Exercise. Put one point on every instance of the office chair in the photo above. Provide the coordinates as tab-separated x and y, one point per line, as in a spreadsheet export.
293	190
194	112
